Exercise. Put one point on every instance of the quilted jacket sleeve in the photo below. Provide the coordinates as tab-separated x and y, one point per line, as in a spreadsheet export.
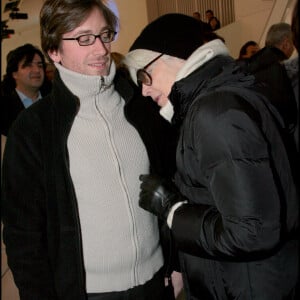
234	208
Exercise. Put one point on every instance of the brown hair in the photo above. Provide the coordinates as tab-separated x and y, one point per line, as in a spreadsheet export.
60	16
13	59
243	50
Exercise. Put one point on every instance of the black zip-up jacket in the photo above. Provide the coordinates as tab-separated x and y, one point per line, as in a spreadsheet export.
238	235
10	107
39	206
267	67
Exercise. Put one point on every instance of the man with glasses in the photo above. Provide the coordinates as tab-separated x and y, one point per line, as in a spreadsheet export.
72	225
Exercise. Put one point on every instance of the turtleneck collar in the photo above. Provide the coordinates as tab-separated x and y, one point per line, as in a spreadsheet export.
86	86
93	92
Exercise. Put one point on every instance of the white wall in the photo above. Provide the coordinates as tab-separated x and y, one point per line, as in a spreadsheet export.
250	17
31	35
253	18
133	18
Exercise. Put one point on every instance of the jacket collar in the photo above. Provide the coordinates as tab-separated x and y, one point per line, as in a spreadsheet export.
197	59
185	91
265	57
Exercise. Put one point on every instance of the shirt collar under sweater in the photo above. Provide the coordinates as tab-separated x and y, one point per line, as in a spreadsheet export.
91	89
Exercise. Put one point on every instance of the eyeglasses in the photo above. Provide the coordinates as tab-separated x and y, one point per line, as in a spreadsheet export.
142	76
89	39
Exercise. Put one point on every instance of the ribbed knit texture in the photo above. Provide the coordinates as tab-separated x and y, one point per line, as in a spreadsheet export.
120	240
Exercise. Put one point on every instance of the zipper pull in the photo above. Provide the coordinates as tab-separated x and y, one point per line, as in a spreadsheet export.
103	85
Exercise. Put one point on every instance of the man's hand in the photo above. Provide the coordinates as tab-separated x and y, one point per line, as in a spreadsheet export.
158	195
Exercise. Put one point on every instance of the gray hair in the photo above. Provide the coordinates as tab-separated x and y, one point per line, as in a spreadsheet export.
277	33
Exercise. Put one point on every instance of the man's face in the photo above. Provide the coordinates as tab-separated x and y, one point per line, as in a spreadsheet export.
196	16
29	75
208	15
288	47
88	60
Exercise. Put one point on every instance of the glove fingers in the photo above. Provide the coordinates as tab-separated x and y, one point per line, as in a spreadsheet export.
144	200
143	177
147	182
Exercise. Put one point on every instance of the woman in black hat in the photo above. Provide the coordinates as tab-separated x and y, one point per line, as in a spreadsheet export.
233	210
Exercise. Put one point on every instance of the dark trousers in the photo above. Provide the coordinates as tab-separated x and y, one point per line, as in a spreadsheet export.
153	289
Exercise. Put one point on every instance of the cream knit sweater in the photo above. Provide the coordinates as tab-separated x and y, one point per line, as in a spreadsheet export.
120	240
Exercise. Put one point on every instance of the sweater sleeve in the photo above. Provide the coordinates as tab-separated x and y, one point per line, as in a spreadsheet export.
23	211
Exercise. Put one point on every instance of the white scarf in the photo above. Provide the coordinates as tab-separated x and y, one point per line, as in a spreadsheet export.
198	58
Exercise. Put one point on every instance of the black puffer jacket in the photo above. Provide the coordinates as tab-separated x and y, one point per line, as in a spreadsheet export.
267	67
237	236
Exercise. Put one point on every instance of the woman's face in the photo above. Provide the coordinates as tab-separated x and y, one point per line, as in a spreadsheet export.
163	73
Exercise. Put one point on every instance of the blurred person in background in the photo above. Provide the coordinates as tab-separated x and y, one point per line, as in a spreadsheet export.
280	36
23	84
248	49
212	21
268	68
292	68
197	16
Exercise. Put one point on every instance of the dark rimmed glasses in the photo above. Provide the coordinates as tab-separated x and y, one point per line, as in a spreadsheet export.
142	76
89	39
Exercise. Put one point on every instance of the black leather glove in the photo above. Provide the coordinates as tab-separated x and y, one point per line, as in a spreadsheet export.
158	195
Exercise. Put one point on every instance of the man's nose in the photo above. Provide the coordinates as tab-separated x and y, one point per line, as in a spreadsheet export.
36	66
100	46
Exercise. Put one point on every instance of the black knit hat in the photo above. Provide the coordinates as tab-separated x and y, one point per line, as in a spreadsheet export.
172	34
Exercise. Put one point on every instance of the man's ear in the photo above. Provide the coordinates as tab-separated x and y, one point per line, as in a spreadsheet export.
54	55
14	75
284	43
287	46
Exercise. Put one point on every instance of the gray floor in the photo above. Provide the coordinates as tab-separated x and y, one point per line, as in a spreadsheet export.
9	290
